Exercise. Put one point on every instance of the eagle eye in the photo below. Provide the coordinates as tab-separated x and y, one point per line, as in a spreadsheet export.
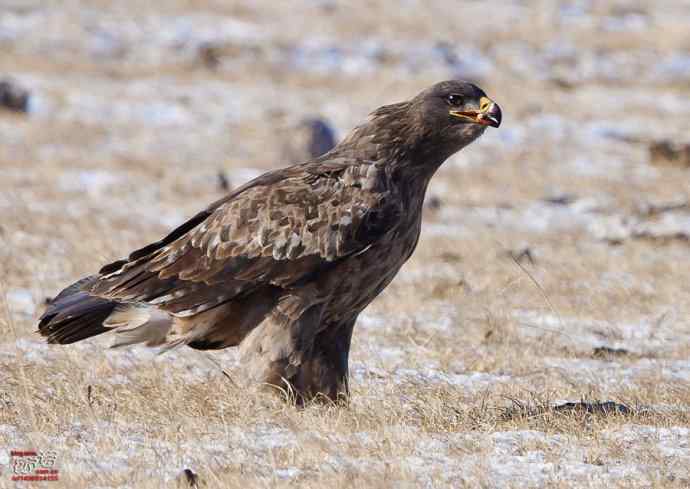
455	100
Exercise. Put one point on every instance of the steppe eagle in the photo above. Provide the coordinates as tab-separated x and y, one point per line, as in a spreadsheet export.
283	265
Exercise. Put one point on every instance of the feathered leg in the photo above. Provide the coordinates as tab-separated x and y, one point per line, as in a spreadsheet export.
324	373
273	351
296	353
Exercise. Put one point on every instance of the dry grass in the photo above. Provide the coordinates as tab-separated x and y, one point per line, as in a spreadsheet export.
457	366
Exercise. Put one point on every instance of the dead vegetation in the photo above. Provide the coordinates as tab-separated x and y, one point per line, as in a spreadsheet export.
486	362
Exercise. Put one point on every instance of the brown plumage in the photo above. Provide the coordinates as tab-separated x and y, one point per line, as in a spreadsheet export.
282	266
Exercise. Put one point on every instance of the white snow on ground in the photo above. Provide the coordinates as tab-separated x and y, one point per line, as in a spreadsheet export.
610	374
182	112
516	457
20	301
649	335
94	182
473	381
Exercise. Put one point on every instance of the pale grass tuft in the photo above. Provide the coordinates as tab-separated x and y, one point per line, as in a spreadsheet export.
457	369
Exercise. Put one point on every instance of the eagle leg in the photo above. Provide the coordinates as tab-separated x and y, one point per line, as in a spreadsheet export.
323	375
273	351
300	358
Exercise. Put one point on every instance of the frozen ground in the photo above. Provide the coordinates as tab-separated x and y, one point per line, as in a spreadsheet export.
552	268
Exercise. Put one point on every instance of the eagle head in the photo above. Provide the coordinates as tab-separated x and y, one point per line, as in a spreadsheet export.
451	114
424	131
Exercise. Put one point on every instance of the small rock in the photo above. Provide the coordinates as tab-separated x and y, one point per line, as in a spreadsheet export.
322	136
434	202
311	138
210	55
560	199
668	153
608	352
223	181
13	97
599	408
188	478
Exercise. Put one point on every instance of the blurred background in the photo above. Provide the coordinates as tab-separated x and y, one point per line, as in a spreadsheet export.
118	120
146	111
553	260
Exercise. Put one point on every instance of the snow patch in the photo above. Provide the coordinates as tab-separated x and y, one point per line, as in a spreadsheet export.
21	301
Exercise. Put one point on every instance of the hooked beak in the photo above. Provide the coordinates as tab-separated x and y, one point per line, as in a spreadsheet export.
489	113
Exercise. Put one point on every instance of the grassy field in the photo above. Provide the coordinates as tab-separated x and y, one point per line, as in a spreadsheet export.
552	268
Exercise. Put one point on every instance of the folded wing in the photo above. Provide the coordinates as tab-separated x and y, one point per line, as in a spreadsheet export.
280	230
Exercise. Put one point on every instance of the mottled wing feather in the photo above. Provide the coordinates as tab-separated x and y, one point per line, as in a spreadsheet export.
281	232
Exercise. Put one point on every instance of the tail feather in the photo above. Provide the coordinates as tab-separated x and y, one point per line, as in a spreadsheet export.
75	315
133	325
